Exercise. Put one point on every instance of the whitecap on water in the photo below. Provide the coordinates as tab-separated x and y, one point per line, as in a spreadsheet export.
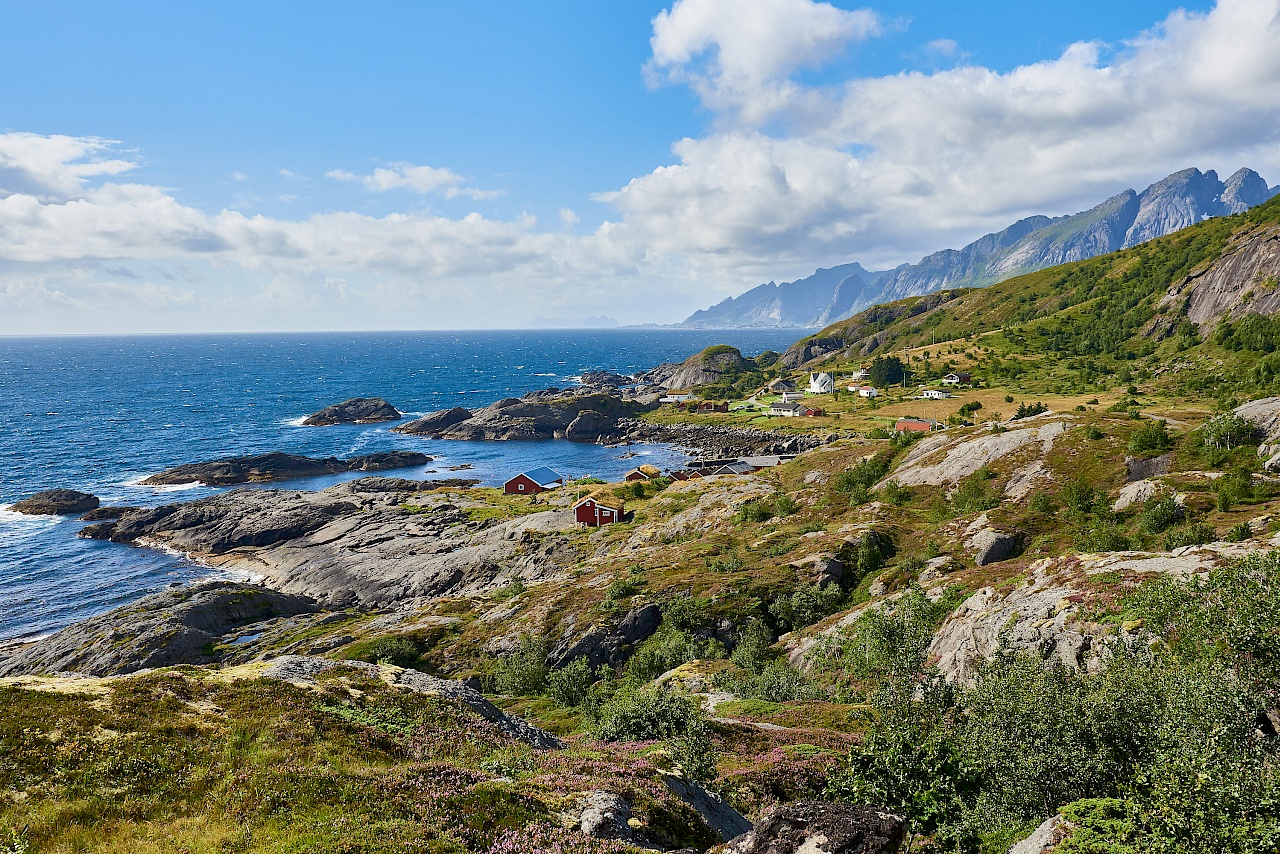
295	422
13	517
136	482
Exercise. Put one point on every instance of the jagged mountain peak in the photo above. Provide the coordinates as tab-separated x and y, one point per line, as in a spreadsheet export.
1033	243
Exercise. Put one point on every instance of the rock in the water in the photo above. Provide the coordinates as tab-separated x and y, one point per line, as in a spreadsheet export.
56	502
819	827
357	410
1045	838
264	468
178	626
991	546
434	423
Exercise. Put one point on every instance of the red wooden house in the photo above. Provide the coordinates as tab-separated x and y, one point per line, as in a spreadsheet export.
598	508
533	481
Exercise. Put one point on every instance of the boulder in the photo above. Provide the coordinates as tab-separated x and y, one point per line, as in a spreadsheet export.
612	646
1045	838
56	502
820	569
820	827
604	815
357	410
726	821
1134	493
991	546
434	423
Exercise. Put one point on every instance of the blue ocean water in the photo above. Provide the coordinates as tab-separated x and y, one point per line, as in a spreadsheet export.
101	413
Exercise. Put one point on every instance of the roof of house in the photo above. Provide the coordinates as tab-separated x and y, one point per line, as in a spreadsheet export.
740	467
604	498
780	383
542	476
651	471
790	407
763	462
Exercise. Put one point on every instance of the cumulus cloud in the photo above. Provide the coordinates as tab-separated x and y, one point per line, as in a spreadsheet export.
54	167
738	54
416	179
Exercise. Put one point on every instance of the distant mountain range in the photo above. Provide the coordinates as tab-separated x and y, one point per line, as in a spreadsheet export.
1034	243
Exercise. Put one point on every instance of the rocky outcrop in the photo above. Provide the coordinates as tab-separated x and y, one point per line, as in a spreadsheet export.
717	442
609	645
1046	838
947	458
369	543
1245	279
726	821
177	626
602	815
1134	493
434	423
991	546
302	670
709	366
56	502
552	414
264	468
821	827
357	410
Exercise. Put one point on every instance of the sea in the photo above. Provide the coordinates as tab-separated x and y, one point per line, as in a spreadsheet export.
100	414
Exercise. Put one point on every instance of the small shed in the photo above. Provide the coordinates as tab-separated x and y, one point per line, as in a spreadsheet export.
599	508
935	394
644	472
713	406
915	425
533	481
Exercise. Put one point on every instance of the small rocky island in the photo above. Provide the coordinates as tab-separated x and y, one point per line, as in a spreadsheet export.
357	410
263	468
56	502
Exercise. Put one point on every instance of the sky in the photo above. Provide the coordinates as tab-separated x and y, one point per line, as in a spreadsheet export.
248	166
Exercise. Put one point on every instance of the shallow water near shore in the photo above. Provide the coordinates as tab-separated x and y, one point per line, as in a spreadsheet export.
99	414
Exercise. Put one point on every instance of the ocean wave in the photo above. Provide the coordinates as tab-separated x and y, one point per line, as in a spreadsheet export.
13	517
546	375
295	422
136	482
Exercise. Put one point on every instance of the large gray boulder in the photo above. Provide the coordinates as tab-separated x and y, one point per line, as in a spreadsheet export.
609	645
1045	838
56	502
991	546
820	827
357	410
177	626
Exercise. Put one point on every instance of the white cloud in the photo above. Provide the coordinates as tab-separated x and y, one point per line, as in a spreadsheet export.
737	54
416	179
569	218
238	177
54	167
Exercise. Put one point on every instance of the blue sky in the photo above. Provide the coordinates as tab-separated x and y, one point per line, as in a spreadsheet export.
203	167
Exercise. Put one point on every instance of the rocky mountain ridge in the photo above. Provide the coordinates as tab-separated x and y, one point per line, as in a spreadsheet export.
1034	243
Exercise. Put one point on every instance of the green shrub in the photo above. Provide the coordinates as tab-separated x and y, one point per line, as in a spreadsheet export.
784	505
645	714
1239	533
806	605
1092	433
571	685
1042	502
754	512
1079	496
1151	438
1160	514
398	650
1026	410
1227	431
1104	535
522	673
1192	535
894	494
974	495
866	474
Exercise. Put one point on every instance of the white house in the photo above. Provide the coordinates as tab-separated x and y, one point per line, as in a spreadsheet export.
792	396
865	390
786	409
935	394
676	397
821	383
958	378
860	374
